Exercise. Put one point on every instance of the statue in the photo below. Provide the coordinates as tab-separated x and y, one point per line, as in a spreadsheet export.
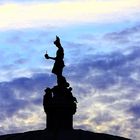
59	63
59	103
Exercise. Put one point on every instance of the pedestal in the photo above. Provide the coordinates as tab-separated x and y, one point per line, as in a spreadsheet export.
59	112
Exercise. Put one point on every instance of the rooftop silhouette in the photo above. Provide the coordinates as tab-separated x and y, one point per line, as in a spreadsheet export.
60	106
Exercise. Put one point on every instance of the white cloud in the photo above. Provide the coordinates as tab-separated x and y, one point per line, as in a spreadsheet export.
31	15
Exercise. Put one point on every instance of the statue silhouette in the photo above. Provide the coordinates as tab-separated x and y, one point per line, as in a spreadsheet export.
59	103
59	63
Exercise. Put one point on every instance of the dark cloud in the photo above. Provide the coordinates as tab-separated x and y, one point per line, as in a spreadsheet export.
107	70
17	94
102	73
135	110
106	99
20	99
74	50
102	117
125	36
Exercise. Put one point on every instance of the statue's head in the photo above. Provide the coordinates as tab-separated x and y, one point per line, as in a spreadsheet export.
57	41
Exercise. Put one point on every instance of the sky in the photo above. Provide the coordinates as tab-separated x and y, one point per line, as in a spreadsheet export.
101	40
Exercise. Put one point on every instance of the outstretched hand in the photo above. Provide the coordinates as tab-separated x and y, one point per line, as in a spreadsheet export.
46	56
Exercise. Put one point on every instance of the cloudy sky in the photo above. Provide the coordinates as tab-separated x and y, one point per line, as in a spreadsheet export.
101	39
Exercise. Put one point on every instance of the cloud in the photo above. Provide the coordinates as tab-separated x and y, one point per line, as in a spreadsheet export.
46	15
105	95
20	100
115	64
110	40
129	35
106	85
21	51
134	109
